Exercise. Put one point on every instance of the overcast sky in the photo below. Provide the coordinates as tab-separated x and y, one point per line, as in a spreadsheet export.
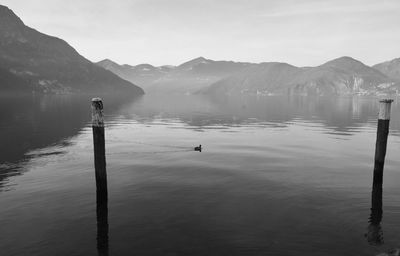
300	32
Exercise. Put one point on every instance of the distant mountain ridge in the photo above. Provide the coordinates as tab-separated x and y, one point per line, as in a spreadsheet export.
187	77
343	75
142	74
34	62
390	68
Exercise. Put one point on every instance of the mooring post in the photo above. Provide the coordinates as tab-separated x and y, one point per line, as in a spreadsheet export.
374	234
99	149
101	176
381	139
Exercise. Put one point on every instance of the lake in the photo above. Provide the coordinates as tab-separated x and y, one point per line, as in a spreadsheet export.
278	175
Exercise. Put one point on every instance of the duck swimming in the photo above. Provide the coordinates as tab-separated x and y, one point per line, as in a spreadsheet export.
198	148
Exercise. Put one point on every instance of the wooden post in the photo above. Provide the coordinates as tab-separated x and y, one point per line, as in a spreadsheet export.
375	233
381	139
101	176
99	149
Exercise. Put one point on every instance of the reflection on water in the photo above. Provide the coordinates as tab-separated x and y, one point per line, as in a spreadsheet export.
276	176
375	233
342	115
102	225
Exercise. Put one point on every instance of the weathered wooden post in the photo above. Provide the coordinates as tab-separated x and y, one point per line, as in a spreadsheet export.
375	234
381	139
101	176
99	149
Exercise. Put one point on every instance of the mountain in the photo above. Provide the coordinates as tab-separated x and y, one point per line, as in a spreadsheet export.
390	68
209	68
193	63
272	74
344	75
196	74
143	74
34	62
340	76
185	78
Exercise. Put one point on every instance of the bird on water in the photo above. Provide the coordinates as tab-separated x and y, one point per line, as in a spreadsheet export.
198	148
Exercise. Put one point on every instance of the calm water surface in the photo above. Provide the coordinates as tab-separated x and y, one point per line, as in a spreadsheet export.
277	176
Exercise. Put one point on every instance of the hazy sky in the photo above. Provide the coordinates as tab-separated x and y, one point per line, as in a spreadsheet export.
301	32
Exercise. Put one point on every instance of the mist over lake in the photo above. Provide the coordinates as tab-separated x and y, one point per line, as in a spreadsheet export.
277	175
